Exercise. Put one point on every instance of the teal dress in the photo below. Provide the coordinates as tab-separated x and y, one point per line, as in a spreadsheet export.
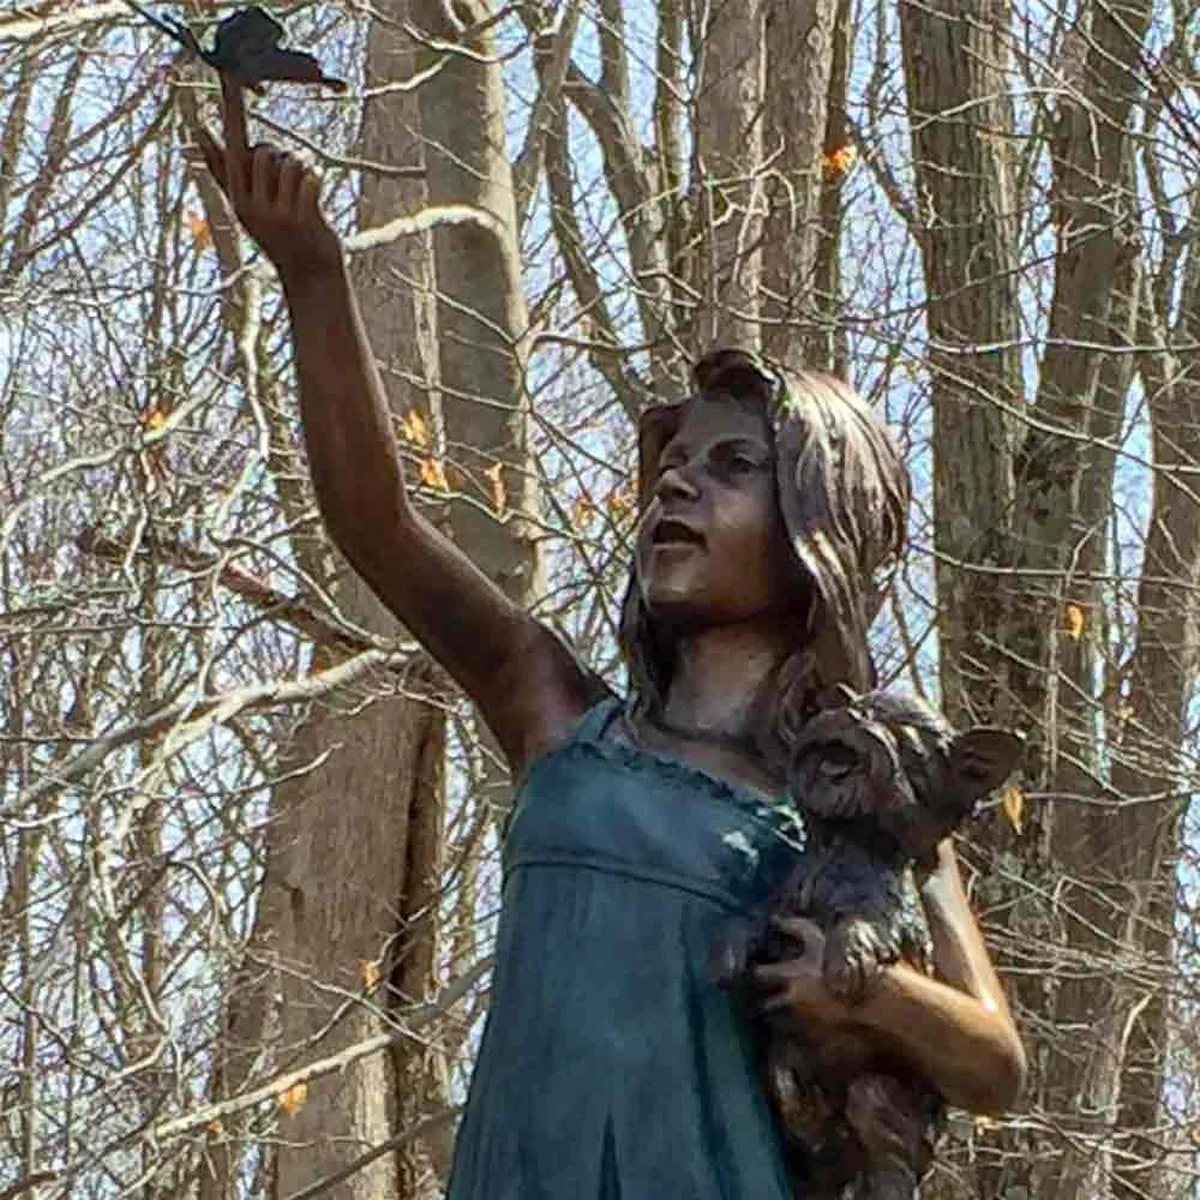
611	1065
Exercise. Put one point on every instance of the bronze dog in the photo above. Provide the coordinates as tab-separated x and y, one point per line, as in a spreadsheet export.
878	781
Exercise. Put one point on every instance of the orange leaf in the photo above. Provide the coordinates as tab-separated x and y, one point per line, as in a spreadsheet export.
495	476
215	1127
1073	621
619	502
838	162
582	512
414	429
433	475
368	968
292	1099
1012	803
198	228
154	418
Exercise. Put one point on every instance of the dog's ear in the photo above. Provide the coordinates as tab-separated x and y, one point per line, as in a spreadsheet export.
981	759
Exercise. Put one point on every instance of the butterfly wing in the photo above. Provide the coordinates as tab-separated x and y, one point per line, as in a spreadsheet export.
245	34
246	47
293	66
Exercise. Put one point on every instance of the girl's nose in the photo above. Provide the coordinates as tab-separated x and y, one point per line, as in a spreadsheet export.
677	481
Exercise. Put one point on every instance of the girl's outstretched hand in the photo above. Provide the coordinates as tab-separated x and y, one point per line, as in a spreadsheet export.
276	198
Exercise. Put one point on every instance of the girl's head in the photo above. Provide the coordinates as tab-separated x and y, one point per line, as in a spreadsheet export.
837	515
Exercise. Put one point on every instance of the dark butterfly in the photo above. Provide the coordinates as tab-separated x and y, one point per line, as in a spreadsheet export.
246	48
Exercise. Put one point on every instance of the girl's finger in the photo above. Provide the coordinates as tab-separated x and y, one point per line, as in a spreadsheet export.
262	168
214	156
310	193
800	928
233	112
291	175
779	972
775	1001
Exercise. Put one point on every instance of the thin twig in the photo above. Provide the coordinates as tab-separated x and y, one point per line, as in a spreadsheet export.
251	589
196	715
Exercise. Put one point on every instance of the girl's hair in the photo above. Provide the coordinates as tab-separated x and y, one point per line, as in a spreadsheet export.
843	494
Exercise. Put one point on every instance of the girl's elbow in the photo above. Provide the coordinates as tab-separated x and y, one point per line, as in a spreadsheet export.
998	1090
1015	1072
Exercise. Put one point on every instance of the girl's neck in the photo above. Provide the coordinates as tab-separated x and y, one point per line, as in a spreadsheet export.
719	678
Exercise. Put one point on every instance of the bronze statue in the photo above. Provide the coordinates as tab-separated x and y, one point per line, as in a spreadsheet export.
611	1063
878	782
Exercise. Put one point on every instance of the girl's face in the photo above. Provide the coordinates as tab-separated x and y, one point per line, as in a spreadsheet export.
711	545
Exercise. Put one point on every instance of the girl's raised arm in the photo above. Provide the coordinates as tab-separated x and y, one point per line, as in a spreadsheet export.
527	684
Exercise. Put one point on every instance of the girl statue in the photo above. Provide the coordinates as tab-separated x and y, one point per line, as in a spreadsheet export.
612	1064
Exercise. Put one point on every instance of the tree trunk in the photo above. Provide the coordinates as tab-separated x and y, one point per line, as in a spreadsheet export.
482	319
968	247
343	840
1145	841
368	910
799	47
396	287
828	345
729	46
1030	503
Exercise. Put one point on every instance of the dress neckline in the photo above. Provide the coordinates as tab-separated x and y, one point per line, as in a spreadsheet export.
596	730
593	734
620	731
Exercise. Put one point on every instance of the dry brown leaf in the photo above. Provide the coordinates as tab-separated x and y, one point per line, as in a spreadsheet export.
495	476
838	162
433	475
414	429
1012	803
198	228
582	512
1073	621
370	971
215	1128
619	502
292	1099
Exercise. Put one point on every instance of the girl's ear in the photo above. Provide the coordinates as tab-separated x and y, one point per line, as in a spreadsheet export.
981	759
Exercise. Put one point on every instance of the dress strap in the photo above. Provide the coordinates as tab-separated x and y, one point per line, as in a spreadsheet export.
593	724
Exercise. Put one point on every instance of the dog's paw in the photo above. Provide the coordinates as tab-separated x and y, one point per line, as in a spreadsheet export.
851	965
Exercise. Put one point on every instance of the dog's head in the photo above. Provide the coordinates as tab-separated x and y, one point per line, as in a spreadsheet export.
889	759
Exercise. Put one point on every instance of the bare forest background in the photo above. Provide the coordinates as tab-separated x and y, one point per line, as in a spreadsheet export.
248	833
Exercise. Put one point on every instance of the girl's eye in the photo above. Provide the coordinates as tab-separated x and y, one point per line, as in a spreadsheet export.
736	463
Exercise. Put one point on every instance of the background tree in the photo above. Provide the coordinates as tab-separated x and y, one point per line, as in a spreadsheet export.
247	867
